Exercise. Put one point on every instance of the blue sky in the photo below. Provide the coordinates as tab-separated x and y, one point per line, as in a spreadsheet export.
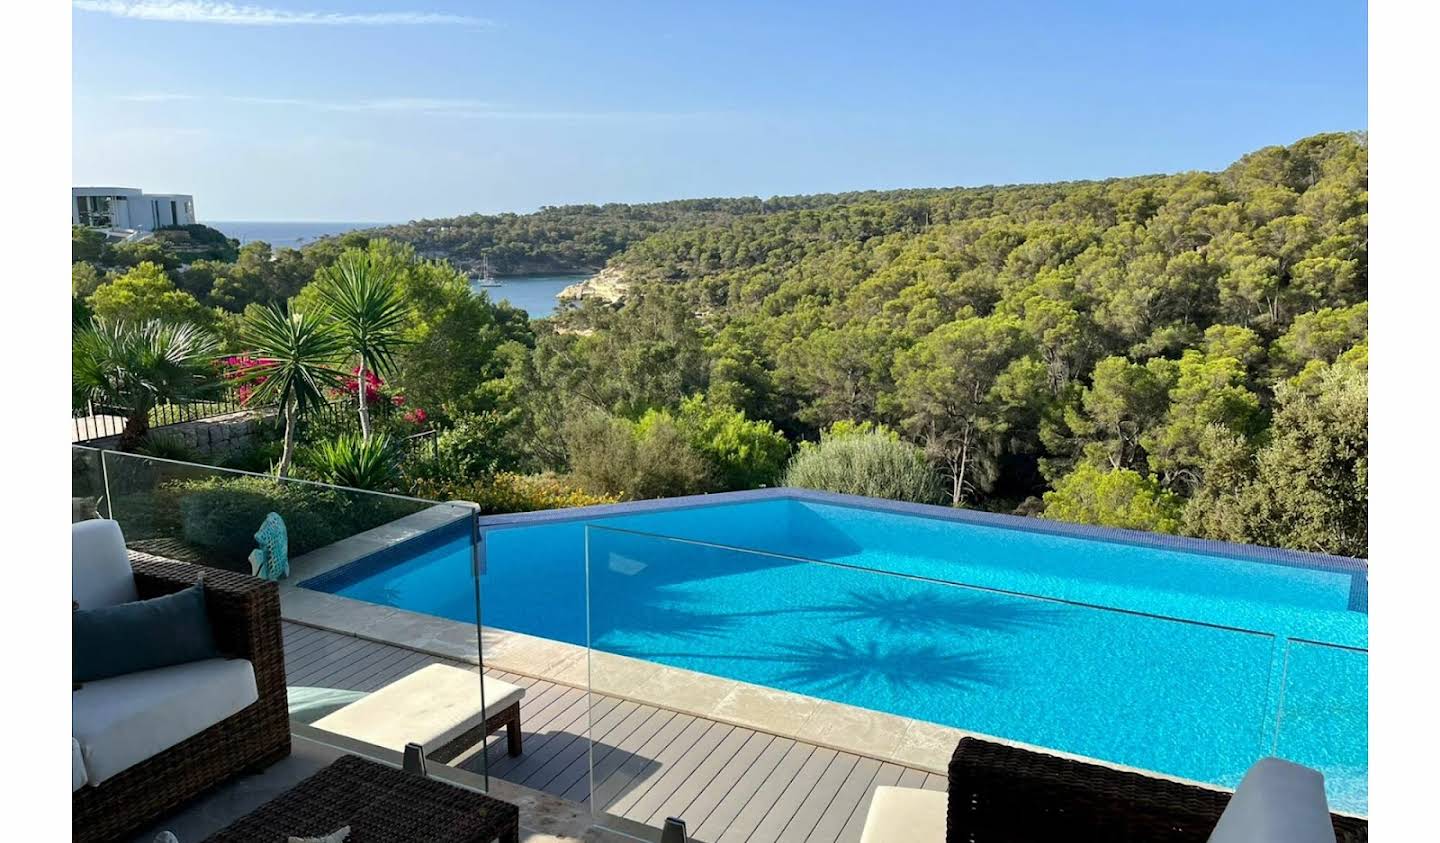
399	109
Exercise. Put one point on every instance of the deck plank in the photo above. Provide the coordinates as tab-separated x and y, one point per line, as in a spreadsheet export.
726	779
833	817
741	793
643	762
803	819
606	718
659	765
617	753
572	741
598	748
775	786
678	801
888	776
674	778
912	778
557	716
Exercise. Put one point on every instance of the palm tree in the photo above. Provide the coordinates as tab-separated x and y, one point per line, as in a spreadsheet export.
370	311
138	367
299	358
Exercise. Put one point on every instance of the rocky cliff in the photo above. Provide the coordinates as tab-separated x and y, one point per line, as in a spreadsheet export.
609	285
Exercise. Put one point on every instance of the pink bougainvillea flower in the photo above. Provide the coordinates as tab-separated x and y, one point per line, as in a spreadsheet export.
373	383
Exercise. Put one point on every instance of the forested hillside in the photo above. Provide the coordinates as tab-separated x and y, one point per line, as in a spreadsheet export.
1183	353
581	238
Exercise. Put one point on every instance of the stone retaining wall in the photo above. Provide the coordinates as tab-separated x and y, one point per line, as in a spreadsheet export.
212	437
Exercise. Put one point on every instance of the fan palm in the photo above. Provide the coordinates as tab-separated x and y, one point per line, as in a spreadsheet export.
138	366
299	358
370	311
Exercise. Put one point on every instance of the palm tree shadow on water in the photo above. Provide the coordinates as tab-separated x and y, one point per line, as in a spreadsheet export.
823	666
939	608
876	646
923	608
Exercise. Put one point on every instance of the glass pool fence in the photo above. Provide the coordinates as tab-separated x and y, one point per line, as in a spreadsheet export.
708	662
353	671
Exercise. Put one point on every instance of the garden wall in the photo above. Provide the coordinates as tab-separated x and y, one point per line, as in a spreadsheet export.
213	437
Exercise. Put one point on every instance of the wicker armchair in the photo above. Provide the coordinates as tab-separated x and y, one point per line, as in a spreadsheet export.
245	616
1002	793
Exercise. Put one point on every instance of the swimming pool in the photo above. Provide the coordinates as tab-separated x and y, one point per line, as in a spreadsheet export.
1186	657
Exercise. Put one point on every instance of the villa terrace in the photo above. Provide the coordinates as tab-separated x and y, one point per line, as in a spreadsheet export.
614	740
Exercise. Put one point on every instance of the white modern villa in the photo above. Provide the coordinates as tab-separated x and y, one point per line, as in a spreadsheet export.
129	208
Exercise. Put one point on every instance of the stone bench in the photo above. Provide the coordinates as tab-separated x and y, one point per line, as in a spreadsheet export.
438	707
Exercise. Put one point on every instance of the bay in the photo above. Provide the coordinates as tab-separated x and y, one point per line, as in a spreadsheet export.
534	294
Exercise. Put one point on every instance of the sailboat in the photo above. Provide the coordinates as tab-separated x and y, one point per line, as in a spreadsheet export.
487	276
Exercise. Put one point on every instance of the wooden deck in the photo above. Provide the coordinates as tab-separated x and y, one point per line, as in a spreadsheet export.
728	783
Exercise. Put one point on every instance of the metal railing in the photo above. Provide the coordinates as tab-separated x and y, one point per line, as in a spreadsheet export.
422	445
98	421
95	421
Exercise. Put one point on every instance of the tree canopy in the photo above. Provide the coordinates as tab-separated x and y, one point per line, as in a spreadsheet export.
1104	342
1180	353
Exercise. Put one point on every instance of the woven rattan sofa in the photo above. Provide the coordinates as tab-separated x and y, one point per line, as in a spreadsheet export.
1004	793
244	615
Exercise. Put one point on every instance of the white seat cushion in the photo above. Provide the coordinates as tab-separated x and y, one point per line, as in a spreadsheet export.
124	720
905	815
77	767
1277	802
431	707
100	572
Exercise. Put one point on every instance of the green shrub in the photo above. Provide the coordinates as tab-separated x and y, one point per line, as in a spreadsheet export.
510	492
219	515
1115	498
169	448
355	462
875	464
742	453
616	457
259	458
475	445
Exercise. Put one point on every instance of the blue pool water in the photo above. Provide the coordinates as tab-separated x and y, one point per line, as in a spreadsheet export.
1189	663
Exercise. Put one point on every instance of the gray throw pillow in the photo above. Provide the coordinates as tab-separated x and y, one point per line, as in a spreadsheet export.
142	635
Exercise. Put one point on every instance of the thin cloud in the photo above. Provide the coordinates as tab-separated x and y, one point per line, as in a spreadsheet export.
464	108
211	11
430	105
157	97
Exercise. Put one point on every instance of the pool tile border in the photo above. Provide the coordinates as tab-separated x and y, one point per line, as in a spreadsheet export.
380	545
999	520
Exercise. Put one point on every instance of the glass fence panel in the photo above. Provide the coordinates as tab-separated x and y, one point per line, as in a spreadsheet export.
87	485
701	654
206	514
365	667
1323	721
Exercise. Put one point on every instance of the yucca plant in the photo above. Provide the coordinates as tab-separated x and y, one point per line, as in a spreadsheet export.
354	461
169	448
367	305
137	366
299	357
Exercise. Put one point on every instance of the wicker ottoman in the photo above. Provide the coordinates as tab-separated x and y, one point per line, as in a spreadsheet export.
381	805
